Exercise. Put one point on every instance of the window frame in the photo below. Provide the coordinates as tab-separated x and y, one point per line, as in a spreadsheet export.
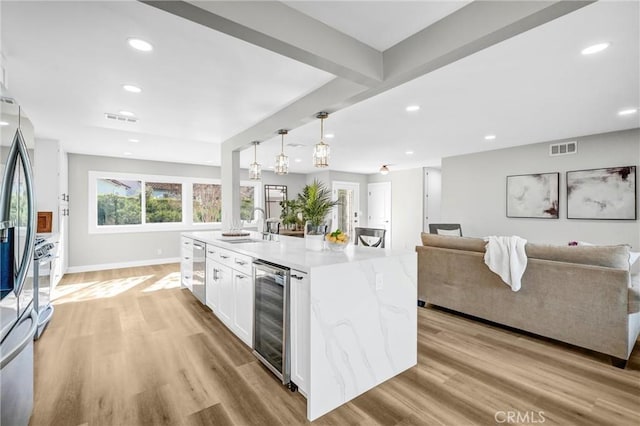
187	223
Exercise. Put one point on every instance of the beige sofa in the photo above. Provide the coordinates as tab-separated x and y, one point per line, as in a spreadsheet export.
579	295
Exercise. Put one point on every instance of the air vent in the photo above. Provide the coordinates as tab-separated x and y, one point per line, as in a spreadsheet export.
118	117
6	100
564	148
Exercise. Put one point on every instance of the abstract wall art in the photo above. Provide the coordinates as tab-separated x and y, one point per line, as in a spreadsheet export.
533	196
608	193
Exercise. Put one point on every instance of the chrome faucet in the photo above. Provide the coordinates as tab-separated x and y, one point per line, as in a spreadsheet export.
262	228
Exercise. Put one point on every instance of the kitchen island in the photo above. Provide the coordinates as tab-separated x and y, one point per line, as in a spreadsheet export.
353	313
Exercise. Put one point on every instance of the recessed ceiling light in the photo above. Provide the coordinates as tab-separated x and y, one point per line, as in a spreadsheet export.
3	123
329	136
126	113
127	153
297	160
628	111
595	48
490	137
409	152
209	161
295	145
131	88
412	108
139	44
134	140
271	167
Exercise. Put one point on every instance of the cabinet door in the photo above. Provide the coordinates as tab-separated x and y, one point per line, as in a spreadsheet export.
300	310
213	285
225	303
243	307
186	263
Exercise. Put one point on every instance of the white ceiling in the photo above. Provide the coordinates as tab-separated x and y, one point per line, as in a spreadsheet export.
372	22
68	60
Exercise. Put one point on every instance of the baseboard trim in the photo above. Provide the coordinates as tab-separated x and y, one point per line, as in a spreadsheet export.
119	265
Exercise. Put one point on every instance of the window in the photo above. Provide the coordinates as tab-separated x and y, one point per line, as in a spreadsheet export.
207	203
126	202
247	202
119	202
163	202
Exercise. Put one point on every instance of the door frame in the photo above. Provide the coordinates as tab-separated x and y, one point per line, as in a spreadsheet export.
355	186
388	185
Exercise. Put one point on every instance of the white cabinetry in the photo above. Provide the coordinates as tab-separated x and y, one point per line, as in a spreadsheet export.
52	195
186	262
243	306
230	290
300	330
225	313
212	281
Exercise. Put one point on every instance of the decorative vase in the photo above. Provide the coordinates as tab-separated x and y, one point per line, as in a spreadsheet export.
314	236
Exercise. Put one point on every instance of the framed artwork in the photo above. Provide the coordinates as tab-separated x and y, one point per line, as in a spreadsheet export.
608	193
533	196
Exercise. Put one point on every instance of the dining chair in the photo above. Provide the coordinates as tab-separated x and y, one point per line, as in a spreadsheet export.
451	229
374	237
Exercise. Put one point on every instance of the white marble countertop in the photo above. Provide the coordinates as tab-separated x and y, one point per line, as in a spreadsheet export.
291	251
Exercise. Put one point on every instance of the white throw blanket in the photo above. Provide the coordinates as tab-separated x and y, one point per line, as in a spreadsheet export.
506	257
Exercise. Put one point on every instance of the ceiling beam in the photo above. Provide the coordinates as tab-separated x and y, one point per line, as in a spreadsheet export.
330	97
475	27
286	31
359	68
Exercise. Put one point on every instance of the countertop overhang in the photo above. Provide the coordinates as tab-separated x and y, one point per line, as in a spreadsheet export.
291	251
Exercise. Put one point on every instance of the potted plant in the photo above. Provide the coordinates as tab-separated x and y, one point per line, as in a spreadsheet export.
291	214
316	203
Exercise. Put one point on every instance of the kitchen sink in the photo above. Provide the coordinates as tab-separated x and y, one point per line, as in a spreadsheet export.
244	240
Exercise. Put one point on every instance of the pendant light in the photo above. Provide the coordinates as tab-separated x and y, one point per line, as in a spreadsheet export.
255	172
321	150
282	161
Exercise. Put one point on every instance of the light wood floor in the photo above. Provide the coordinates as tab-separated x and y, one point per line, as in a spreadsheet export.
129	347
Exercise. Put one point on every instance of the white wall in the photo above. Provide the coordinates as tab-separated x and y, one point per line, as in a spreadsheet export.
407	188
98	251
474	187
328	177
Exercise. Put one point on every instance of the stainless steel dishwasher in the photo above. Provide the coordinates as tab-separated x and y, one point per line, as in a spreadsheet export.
271	330
199	271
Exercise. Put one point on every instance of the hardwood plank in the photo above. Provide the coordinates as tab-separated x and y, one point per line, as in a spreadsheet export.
129	347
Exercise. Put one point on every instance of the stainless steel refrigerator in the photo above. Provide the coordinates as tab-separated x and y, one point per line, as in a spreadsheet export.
18	321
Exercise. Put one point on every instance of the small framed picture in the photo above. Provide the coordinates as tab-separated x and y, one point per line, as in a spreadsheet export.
533	196
608	193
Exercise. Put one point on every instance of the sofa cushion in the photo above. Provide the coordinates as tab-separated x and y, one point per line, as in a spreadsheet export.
607	256
457	243
634	294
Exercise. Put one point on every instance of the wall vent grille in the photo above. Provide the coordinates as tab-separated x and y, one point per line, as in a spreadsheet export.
564	148
118	117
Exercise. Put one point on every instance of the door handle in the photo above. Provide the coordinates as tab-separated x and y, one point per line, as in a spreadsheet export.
297	277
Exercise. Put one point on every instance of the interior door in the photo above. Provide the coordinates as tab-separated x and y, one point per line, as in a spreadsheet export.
379	208
346	215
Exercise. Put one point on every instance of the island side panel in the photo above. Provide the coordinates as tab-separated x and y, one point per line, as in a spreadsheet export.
363	328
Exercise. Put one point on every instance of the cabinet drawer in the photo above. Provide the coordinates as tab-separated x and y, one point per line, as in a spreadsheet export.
237	261
212	252
243	264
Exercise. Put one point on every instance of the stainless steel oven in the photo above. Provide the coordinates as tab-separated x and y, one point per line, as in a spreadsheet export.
271	330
